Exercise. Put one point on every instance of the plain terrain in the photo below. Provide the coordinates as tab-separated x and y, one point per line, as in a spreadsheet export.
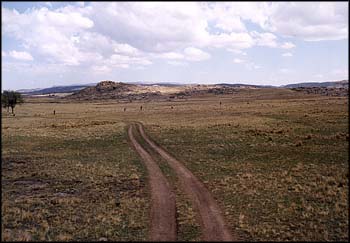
275	160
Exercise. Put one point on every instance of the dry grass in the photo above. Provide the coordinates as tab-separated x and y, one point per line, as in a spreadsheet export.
275	160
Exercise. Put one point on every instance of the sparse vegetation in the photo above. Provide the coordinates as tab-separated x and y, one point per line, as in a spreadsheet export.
73	176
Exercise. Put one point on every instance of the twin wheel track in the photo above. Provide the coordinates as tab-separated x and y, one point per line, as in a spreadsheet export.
163	205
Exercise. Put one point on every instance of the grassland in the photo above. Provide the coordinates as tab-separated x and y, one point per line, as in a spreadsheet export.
275	160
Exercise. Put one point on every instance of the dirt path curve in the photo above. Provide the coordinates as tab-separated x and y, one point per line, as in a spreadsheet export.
163	208
212	221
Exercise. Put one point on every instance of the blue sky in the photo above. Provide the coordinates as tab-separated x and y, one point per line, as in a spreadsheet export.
59	43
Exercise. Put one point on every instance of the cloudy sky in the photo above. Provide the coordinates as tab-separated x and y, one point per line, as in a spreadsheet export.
59	43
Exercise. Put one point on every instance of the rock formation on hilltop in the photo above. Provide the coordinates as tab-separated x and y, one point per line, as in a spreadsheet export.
104	90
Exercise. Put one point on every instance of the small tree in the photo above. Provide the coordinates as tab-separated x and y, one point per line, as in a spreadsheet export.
4	100
11	99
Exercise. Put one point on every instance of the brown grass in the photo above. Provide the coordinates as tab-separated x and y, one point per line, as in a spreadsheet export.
275	161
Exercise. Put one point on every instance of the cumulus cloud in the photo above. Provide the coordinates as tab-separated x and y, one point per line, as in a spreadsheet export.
232	40
287	45
172	55
237	60
101	69
287	54
177	63
21	55
134	33
195	54
48	32
151	26
310	21
188	54
126	49
265	39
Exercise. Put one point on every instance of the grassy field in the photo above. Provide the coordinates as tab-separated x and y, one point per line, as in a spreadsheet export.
275	160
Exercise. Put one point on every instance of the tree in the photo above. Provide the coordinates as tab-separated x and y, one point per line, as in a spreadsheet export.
11	99
4	100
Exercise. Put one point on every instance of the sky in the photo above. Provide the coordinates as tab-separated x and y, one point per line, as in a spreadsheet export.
48	44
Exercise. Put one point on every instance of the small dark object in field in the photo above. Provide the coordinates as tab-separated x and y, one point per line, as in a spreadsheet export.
54	112
341	184
124	108
270	139
172	107
141	108
117	199
298	143
308	137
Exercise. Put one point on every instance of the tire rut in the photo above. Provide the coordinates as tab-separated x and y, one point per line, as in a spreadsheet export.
163	206
213	224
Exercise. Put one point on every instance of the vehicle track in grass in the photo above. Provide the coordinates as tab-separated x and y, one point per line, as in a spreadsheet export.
163	206
212	222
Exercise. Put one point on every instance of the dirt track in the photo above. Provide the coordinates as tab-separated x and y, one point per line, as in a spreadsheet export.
163	208
212	222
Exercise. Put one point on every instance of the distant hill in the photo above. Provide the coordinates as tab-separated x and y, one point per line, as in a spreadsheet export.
55	89
330	84
245	85
143	87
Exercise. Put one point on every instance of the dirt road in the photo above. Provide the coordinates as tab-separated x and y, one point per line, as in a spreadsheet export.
212	221
163	208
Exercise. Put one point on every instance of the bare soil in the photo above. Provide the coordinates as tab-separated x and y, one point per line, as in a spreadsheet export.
213	224
163	209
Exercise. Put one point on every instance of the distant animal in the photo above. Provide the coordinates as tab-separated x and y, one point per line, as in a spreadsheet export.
141	108
54	112
220	103
124	108
172	107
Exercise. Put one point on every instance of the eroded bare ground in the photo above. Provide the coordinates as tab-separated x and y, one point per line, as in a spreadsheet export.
163	219
213	224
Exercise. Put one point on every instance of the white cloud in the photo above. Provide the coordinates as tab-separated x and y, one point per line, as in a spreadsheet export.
252	65
310	21
121	61
48	32
21	55
287	54
177	63
240	52
287	45
3	53
237	60
265	39
285	70
188	54
195	54
232	40
126	49
152	26
172	55
132	34
101	69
